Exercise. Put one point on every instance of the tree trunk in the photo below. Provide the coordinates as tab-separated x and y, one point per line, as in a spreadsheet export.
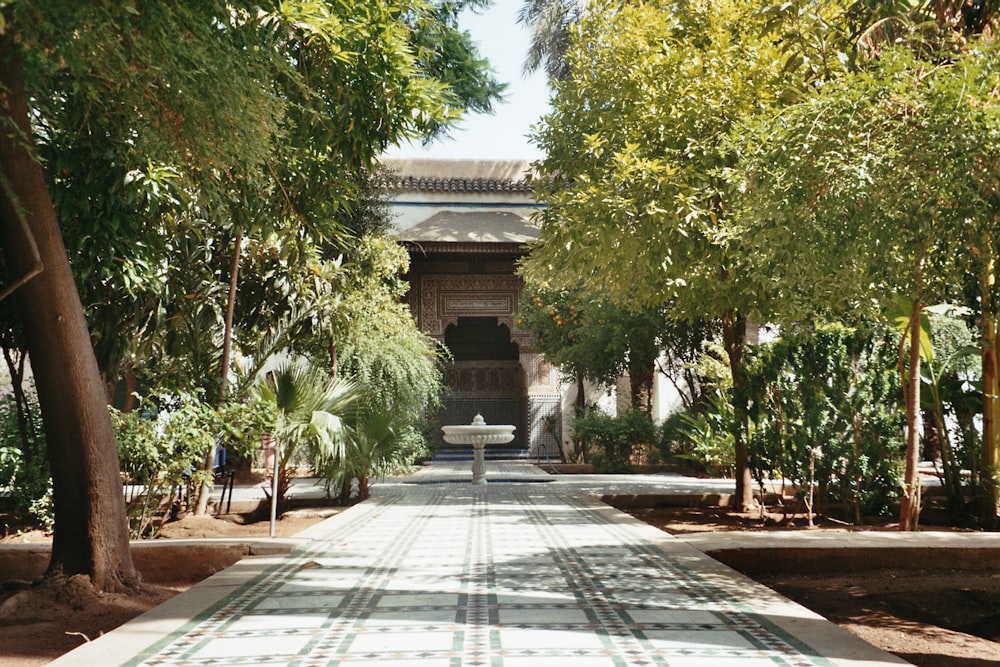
909	509
989	489
16	371
227	338
734	327
131	387
581	403
91	528
641	387
205	489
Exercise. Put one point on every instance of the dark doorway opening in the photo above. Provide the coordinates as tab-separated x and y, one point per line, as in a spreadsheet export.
485	377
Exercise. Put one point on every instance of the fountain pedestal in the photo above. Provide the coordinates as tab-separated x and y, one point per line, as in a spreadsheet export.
478	434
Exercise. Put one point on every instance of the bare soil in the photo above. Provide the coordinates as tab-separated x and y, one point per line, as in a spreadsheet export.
929	617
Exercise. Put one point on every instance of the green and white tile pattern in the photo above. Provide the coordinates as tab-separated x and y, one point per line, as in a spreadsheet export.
503	575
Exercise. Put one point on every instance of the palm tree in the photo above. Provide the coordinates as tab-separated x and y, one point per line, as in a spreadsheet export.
313	412
550	22
375	448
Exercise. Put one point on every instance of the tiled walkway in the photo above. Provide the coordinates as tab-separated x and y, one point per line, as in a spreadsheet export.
525	572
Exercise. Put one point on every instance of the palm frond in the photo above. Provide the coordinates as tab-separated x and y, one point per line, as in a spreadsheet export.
313	410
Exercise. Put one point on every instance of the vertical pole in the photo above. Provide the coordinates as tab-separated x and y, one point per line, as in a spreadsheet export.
274	486
989	462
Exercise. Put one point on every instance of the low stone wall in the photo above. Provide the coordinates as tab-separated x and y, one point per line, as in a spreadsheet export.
812	560
160	561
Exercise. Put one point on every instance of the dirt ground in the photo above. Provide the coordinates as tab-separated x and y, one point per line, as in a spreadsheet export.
931	618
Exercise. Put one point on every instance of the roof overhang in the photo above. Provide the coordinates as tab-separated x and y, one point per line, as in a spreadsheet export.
469	206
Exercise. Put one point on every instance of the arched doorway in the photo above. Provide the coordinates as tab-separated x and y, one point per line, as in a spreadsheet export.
485	376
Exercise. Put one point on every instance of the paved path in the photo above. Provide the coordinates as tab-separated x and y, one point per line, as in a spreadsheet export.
531	571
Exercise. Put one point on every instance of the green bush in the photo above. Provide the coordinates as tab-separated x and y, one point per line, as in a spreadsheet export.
706	437
163	444
824	409
611	441
24	467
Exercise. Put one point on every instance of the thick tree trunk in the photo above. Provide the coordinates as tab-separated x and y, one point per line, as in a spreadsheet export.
909	509
91	530
734	329
641	388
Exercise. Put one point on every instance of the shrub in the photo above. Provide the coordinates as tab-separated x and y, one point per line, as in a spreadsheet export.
24	468
163	444
706	437
824	412
312	420
610	440
160	449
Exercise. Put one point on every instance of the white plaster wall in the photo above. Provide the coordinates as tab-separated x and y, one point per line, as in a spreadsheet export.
666	398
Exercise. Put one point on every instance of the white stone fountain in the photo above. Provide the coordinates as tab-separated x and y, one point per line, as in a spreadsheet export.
478	434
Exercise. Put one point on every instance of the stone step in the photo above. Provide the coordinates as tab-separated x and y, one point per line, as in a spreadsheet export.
491	454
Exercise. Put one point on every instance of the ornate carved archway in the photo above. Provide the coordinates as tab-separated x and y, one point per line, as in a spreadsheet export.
466	223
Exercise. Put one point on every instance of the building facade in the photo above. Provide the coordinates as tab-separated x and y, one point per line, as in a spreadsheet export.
466	223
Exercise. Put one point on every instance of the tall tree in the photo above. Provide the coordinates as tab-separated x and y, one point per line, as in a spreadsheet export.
550	22
218	92
886	180
92	535
639	208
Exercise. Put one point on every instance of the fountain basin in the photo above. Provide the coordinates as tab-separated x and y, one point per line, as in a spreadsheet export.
479	434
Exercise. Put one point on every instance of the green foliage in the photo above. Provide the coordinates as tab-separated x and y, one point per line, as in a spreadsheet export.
704	433
167	129
550	23
638	206
380	443
312	418
449	55
24	469
883	179
824	410
687	364
162	444
879	186
949	396
379	344
594	338
611	441
707	437
371	338
144	463
244	424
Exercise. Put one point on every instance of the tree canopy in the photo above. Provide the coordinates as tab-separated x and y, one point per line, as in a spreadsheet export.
886	180
595	339
160	133
639	207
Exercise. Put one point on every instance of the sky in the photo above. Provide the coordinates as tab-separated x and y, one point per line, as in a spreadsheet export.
502	135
